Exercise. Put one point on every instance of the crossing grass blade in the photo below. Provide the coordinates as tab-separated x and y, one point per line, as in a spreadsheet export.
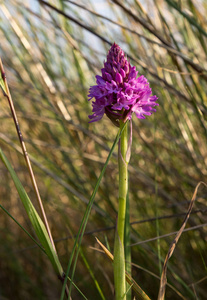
85	219
131	282
31	237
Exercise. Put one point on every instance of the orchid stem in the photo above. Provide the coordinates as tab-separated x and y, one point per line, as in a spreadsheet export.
119	256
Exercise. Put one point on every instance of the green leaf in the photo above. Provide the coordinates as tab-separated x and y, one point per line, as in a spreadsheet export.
35	219
2	85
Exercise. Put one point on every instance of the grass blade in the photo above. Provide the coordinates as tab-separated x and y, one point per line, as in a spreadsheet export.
35	219
85	219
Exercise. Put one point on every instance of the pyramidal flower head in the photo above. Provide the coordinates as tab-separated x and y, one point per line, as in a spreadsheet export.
119	92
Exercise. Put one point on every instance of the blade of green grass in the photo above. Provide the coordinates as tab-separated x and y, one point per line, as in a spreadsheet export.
85	219
6	211
35	219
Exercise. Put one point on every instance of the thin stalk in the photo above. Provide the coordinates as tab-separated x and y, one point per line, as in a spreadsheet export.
24	150
119	256
127	248
82	227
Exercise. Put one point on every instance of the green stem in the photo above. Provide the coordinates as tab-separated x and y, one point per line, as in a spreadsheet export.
119	257
127	248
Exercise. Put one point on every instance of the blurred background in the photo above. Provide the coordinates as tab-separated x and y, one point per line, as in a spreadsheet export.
51	51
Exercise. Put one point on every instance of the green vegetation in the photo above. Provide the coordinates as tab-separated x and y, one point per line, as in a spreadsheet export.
51	52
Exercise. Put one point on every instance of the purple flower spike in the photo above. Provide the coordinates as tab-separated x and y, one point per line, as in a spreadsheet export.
119	92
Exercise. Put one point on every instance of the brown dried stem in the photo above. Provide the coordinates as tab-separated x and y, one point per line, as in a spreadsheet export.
24	150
